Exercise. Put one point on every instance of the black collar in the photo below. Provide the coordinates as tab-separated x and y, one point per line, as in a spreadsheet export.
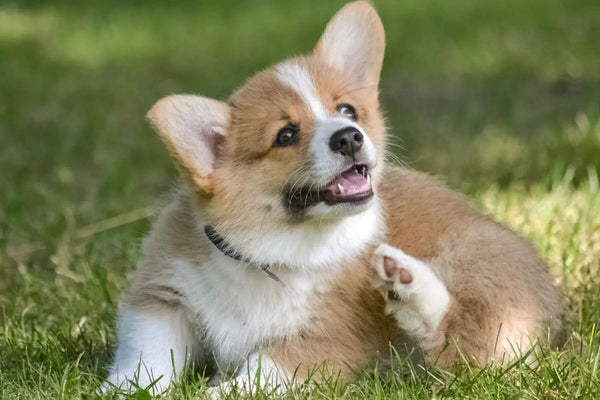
225	248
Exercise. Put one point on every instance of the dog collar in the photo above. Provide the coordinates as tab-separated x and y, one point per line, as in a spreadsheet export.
220	243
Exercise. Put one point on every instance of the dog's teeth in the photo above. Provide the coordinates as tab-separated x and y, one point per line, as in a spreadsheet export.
368	178
339	186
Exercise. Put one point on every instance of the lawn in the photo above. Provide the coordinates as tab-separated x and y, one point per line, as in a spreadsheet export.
501	99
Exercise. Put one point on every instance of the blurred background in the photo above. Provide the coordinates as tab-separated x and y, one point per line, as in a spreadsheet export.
499	98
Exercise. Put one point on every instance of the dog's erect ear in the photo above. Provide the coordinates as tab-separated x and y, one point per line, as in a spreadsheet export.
192	127
354	42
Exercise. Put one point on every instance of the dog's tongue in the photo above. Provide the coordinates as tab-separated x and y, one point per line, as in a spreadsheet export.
349	183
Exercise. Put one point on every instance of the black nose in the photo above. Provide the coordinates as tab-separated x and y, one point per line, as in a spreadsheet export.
346	141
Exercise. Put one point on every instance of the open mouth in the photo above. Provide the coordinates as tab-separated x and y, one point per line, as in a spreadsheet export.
354	184
351	186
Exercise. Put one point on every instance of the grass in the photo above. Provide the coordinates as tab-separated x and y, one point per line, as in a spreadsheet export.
502	99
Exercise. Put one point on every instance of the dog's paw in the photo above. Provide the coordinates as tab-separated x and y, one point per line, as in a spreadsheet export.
217	392
414	294
398	275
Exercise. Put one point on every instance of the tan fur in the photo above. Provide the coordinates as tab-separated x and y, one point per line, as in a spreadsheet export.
500	290
503	298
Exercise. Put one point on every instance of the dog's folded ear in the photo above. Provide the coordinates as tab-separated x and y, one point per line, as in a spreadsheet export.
193	128
354	43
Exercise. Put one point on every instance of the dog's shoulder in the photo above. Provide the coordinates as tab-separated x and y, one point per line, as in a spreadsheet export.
174	241
175	232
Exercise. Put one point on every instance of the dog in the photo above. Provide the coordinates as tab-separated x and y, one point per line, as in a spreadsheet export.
293	244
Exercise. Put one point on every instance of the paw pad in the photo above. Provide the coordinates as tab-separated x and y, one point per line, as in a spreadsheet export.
389	266
392	271
404	276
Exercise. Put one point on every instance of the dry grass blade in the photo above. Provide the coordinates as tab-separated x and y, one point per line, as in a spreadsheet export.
114	222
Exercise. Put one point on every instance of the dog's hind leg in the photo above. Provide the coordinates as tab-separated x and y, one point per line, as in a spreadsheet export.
448	330
414	295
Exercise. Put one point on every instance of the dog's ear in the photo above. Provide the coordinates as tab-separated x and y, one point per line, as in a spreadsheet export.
193	128
354	42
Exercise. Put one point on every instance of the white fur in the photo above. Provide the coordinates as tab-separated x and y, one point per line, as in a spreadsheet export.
425	300
151	347
248	378
316	245
297	78
241	307
252	307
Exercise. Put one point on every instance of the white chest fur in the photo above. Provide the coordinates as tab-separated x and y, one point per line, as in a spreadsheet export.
241	307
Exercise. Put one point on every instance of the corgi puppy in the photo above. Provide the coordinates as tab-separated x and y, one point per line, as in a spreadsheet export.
293	244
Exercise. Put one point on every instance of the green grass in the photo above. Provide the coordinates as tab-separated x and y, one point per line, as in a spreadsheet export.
502	99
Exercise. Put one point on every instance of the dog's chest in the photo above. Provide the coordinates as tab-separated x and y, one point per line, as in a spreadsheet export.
242	308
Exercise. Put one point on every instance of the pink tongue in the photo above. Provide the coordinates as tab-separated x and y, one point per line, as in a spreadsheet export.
349	183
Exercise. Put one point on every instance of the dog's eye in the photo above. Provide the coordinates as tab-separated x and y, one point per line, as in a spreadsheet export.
287	136
347	111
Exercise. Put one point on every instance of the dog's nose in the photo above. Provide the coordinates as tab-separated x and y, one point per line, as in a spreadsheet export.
346	141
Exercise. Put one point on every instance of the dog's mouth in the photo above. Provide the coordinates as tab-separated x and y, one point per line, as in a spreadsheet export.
352	186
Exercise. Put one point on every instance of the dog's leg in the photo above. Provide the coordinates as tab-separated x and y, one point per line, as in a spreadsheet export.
258	372
414	295
450	330
153	347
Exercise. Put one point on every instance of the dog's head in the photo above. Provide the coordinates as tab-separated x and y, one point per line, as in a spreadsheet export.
299	145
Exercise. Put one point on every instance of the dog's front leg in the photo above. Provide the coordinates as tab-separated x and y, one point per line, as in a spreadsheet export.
258	373
154	346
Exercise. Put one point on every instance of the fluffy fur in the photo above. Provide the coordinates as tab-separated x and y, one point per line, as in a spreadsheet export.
476	289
